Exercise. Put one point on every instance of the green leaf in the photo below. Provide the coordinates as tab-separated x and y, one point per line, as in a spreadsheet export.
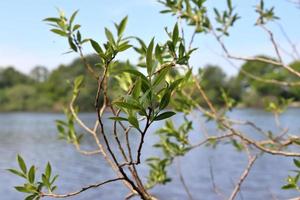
297	162
60	128
59	32
119	118
110	36
78	36
133	121
262	4
78	81
135	72
175	83
31	197
48	170
124	47
52	19
237	145
164	115
165	100
161	76
72	45
229	4
22	164
149	59
73	17
158	54
96	46
171	46
18	173
122	26
288	186
45	180
22	189
76	26
54	179
31	174
143	45
53	188
175	35
137	88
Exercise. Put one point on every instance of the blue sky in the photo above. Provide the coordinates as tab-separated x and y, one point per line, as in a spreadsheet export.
25	41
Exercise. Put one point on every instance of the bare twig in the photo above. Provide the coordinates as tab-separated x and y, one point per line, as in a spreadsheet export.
212	177
79	191
181	178
211	138
265	60
242	178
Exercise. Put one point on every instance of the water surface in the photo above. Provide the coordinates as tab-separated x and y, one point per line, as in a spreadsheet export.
34	136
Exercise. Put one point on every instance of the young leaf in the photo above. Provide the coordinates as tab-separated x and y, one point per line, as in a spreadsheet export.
175	35
76	26
288	186
109	36
45	180
229	4
175	84
22	164
133	121
137	88
149	59
48	170
78	36
297	162
135	72
31	174
59	32
164	115
124	47
18	173
73	17
122	26
158	54
22	189
143	45
31	197
54	179
52	19
96	46
119	118
72	45
78	81
165	100
162	74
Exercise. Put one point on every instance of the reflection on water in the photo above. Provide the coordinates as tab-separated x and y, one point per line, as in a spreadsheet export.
34	136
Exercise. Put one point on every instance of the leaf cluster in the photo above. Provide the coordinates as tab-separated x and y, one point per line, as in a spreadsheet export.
32	186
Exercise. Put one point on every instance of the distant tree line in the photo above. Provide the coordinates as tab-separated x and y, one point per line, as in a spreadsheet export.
42	90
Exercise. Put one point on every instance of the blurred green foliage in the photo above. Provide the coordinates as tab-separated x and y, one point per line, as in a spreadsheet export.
20	92
42	90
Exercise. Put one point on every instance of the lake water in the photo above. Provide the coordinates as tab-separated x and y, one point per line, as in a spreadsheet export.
34	136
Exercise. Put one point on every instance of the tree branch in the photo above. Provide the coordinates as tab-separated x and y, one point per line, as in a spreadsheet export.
79	191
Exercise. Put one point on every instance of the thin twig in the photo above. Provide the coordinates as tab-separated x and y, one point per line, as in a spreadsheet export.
79	191
265	60
242	178
212	177
181	178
